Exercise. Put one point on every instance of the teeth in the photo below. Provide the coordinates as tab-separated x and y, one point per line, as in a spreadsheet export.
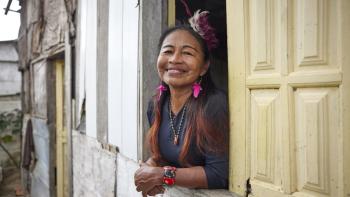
174	71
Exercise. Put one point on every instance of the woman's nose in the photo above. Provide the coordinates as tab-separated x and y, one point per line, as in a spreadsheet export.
175	58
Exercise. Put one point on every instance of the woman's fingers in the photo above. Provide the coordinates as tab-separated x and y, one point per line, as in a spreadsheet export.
137	176
156	190
146	178
144	194
138	173
144	187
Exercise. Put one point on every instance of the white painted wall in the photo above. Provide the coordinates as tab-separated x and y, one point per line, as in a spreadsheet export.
123	76
90	14
10	78
80	59
115	68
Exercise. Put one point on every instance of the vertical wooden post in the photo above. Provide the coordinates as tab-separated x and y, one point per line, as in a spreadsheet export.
171	12
237	105
60	132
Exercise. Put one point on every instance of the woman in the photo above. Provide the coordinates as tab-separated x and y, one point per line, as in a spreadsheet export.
188	117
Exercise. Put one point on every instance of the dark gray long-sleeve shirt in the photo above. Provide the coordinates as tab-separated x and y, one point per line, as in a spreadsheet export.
215	166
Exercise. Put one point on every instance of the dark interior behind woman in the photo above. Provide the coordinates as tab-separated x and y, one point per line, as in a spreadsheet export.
188	137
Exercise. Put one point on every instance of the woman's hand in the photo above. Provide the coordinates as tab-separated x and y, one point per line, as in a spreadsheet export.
149	179
156	190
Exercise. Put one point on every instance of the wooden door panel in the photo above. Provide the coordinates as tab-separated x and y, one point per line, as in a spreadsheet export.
265	138
262	33
289	56
311	35
314	32
316	151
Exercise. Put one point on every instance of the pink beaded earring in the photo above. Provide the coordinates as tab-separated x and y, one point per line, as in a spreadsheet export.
197	88
161	88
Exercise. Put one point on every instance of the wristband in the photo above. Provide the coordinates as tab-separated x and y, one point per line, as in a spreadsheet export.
169	175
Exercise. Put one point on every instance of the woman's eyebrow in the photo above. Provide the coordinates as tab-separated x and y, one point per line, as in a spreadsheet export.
189	46
168	45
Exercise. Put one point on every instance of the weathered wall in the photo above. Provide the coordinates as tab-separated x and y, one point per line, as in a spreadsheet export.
41	40
94	168
99	172
40	185
10	106
180	191
125	176
10	77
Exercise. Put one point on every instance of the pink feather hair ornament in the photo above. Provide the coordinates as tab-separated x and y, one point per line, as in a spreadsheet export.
200	23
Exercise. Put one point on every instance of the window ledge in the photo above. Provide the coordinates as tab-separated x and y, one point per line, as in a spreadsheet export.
180	191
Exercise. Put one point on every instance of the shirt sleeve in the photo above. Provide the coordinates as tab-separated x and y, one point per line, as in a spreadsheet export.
216	165
216	170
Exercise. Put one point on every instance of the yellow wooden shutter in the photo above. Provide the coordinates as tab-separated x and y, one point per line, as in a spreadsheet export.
289	94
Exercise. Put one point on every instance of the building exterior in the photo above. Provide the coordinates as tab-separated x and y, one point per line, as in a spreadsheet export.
10	103
88	72
10	77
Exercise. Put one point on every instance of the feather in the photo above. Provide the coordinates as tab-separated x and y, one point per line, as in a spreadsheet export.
196	89
200	23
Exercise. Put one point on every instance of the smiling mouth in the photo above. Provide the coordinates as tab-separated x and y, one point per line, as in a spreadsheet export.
175	71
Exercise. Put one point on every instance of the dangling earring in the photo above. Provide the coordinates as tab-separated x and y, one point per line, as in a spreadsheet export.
197	88
161	88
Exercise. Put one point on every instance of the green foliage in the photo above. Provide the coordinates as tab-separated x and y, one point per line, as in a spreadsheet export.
7	138
10	125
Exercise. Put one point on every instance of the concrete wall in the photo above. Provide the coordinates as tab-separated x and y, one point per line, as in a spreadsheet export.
100	172
10	77
94	168
10	103
125	176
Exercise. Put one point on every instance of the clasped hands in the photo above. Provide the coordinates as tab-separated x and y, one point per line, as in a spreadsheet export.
149	179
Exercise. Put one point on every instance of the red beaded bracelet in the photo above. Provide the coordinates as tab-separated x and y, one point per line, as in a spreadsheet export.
169	175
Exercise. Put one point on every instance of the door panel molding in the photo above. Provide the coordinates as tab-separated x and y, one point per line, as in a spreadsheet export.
289	97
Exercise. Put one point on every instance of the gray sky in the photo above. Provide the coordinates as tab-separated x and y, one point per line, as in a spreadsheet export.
9	24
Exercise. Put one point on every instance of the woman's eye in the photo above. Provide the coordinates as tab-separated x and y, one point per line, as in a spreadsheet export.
167	52
187	53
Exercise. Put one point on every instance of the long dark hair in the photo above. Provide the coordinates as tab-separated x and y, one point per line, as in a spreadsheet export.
201	128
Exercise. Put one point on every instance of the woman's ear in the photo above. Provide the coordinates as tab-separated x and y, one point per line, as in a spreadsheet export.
205	67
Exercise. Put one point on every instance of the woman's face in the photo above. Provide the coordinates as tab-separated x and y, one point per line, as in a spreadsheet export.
181	60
